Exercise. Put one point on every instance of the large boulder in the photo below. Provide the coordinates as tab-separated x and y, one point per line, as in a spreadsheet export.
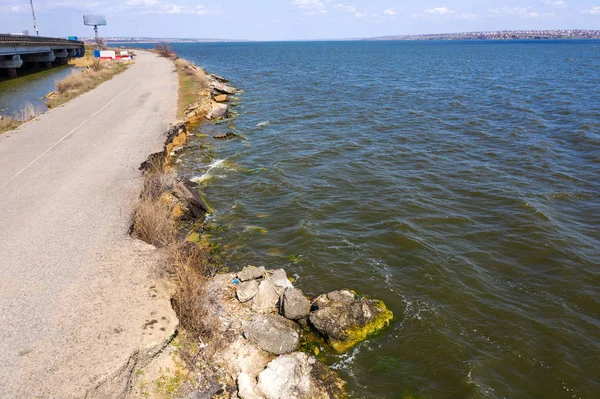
223	88
280	280
346	319
299	376
293	304
266	299
185	191
246	290
217	111
251	273
272	333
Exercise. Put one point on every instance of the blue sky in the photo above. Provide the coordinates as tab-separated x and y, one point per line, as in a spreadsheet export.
297	19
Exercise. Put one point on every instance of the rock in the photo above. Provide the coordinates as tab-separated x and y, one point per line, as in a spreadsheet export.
299	376
217	111
343	296
266	299
272	333
246	385
251	273
246	290
346	320
228	135
223	88
185	191
293	304
221	98
51	96
219	78
280	280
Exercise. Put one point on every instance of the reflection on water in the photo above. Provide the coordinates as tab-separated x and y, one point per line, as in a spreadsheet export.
14	93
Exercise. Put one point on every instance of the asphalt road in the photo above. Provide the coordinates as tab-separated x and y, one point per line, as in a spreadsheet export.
76	292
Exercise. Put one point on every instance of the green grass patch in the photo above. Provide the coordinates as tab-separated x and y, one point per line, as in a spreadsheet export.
188	92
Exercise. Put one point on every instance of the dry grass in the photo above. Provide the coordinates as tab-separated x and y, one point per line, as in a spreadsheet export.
189	264
152	222
7	124
28	112
83	81
164	50
192	80
181	64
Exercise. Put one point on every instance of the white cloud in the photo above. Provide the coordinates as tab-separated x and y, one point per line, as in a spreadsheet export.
351	10
157	7
520	12
594	10
346	8
444	13
310	7
390	11
555	3
135	3
13	7
439	11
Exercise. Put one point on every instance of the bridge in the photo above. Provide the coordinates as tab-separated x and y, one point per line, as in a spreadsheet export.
33	51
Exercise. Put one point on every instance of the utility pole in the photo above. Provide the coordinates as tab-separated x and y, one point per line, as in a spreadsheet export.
34	20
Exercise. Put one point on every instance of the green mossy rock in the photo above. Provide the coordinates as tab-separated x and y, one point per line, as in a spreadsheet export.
346	319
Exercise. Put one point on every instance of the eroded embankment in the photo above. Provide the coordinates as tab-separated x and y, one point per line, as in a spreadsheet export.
250	334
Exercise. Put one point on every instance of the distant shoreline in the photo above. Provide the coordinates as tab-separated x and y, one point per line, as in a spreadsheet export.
556	34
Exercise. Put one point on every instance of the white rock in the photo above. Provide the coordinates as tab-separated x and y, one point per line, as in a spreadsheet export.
266	299
299	376
246	385
280	280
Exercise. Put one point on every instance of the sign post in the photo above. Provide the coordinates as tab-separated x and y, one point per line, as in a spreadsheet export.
95	21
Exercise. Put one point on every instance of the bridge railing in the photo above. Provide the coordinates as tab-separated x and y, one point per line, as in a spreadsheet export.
18	40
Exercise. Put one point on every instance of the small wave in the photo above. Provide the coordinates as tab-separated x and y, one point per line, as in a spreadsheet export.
204	177
263	124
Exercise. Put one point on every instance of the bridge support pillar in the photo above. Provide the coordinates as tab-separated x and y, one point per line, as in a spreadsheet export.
47	64
11	72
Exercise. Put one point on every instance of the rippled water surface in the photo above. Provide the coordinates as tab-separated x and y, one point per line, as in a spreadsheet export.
457	181
15	93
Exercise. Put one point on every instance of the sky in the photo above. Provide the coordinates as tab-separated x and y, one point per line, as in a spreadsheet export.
295	19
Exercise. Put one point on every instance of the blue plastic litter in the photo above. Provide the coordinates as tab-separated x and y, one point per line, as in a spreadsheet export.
236	281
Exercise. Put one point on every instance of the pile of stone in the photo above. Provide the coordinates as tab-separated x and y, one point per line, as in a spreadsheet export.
342	317
213	102
272	318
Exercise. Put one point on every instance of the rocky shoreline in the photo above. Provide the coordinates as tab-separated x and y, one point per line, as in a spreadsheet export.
267	335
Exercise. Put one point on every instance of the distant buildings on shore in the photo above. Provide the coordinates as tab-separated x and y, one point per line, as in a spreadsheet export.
503	35
492	35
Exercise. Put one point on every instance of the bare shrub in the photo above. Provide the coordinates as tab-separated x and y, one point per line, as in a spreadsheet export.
100	43
202	78
164	50
196	315
156	184
96	65
181	64
72	82
152	222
